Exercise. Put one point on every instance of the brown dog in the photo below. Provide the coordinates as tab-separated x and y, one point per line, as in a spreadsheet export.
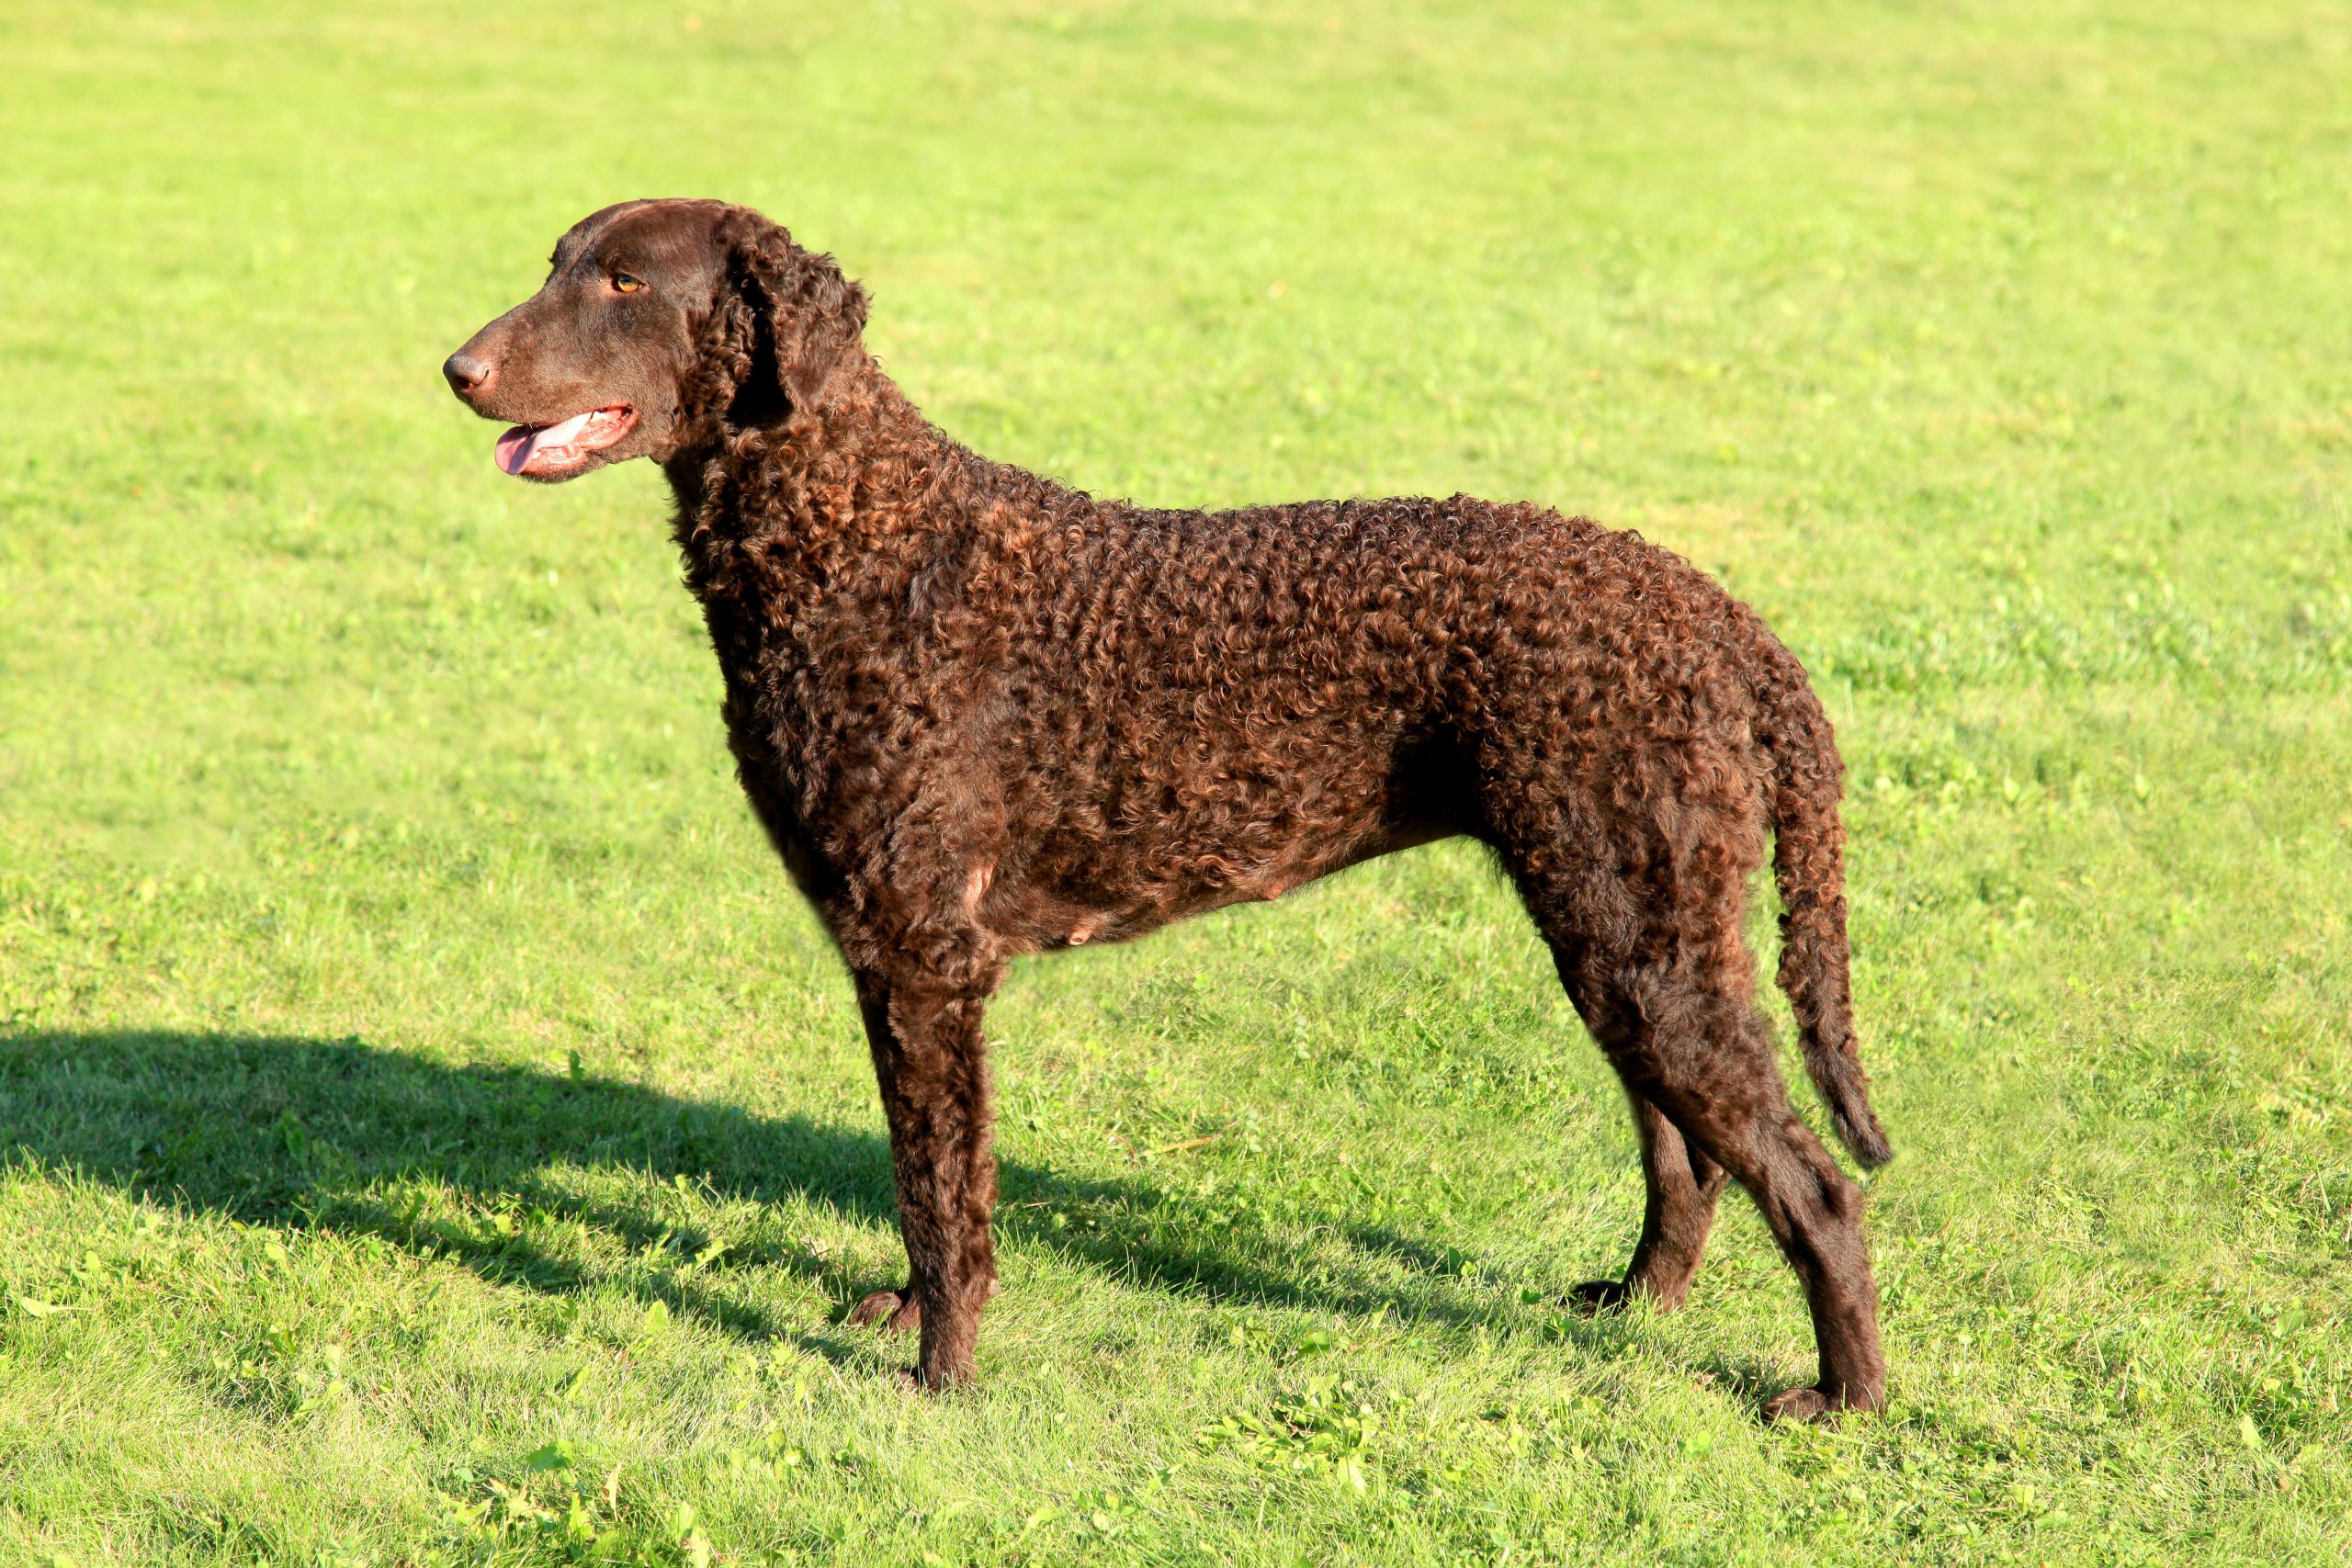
982	715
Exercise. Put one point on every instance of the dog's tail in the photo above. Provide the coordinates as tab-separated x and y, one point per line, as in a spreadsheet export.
1809	865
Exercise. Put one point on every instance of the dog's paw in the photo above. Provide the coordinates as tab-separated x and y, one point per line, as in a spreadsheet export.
917	1379
1815	1404
1797	1404
893	1312
1597	1296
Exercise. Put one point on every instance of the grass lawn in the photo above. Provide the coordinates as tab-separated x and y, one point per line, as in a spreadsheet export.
432	1131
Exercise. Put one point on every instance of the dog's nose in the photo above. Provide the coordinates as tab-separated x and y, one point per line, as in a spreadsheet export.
466	375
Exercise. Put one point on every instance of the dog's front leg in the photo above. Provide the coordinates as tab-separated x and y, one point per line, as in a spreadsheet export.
931	1062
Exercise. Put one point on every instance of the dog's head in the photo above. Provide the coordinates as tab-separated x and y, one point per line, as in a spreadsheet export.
660	324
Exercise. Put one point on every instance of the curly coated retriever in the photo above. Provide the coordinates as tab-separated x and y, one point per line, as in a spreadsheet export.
983	714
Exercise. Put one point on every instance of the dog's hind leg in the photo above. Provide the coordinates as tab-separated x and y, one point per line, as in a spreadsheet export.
1702	1055
1655	962
1683	1183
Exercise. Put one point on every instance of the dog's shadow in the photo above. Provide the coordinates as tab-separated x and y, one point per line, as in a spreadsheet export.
335	1135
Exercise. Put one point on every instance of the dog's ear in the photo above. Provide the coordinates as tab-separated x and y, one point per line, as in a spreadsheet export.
796	323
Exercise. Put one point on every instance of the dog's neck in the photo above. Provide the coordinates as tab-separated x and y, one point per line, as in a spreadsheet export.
858	461
851	489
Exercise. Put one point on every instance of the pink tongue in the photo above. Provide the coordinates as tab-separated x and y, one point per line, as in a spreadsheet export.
516	447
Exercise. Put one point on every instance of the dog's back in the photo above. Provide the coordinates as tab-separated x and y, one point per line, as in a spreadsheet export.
1185	709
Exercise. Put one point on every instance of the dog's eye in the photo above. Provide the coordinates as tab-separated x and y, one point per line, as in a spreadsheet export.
626	284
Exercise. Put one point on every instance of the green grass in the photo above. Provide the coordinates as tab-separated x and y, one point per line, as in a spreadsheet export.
430	1131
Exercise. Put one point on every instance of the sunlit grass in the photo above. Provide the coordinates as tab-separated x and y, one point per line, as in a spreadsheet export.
433	1132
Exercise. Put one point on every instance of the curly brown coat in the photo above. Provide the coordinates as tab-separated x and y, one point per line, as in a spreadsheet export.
982	715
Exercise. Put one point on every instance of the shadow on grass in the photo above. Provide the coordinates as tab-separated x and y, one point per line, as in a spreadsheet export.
335	1134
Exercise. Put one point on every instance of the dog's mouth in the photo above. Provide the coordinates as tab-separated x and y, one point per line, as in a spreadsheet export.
536	451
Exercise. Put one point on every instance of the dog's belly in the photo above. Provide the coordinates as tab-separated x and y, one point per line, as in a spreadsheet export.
1182	833
1033	916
